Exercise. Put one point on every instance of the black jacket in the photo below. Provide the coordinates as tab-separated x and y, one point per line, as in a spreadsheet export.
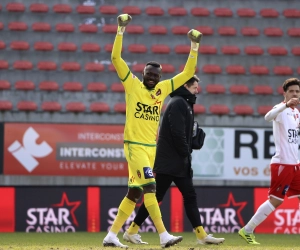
173	154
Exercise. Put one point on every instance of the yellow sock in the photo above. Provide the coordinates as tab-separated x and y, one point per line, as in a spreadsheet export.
152	206
200	233
125	209
133	229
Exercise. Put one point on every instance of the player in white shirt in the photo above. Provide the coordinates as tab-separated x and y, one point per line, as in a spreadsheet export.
285	167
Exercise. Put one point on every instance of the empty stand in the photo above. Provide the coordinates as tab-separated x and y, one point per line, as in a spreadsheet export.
227	31
215	89
15	7
219	109
239	89
75	107
279	90
108	9
223	12
212	69
64	27
24	85
181	67
67	46
94	67
1	26
291	13
111	68
139	67
99	107
180	30
70	66
235	69
167	68
43	46
62	8
160	49
263	109
137	48
230	50
110	28
4	84
5	105
96	87
269	13
273	31
253	50
200	11
46	65
243	110
4	64
83	9
2	45
135	29
259	70
131	10
199	109
157	29
182	49
154	11
90	47
250	31
88	28
51	106
246	12
17	26
120	107
277	51
19	45
208	49
282	70
27	106
49	86
117	87
263	90
177	11
294	32
205	30
41	27
296	51
72	86
23	65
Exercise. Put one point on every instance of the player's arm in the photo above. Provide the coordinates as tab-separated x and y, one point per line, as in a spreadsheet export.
273	113
120	65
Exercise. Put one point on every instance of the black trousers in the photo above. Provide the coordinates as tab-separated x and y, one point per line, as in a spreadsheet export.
185	186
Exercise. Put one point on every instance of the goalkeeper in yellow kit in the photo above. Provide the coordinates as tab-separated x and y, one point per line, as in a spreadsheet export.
144	102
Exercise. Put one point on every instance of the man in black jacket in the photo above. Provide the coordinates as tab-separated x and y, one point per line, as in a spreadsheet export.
173	162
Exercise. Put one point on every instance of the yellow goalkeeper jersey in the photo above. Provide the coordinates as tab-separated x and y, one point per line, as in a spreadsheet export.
143	106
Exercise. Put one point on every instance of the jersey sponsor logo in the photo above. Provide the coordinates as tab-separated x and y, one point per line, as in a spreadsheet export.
285	189
139	174
293	136
147	112
158	92
148	174
152	96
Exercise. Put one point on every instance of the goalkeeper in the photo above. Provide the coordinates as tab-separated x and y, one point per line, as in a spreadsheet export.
144	100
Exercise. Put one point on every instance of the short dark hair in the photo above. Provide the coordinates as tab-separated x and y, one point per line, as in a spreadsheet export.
154	64
290	82
191	81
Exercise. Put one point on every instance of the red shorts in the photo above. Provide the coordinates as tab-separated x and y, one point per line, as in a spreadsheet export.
285	180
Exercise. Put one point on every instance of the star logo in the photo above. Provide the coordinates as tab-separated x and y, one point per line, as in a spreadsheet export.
66	203
232	203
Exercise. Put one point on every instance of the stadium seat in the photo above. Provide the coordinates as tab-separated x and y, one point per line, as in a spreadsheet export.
24	85
253	50
296	51
259	70
235	70
96	87
223	12
219	109
182	49
117	87
70	66
239	89
3	64
167	68
181	67
75	107
157	29
273	31
72	86
177	11
263	90
246	12
294	32
108	10
19	45
15	7
1	26
120	107
230	50
43	46
200	11
46	65
291	13
283	70
243	110
264	109
160	49
64	27
23	65
108	47
270	13
180	30
212	69
111	68
39	7
84	9
99	107
205	30
277	51
67	46
94	67
135	29
139	67
51	106
131	10
17	26
27	106
250	31
199	109
227	31
207	49
110	28
4	84
279	90
5	105
88	28
90	47
154	11
298	70
62	8
41	27
2	45
48	86
137	48
215	89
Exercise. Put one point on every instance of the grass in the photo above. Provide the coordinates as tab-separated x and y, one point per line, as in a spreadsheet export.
93	241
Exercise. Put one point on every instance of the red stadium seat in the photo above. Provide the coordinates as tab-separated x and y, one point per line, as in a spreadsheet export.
96	87
199	109
291	13
259	70
108	10
277	51
110	28
3	64
43	46
283	70
120	107
279	90
139	67
46	65
75	107
41	27
181	67
23	65
200	11
94	67
117	87
296	51
49	86
1	26
62	8
246	12
70	66
64	27
99	107
154	11
90	47
250	31
264	109
4	84
88	28
212	69
135	29
230	50
67	46
294	32
111	68
17	26
235	69
5	105
180	30
19	45
253	50
263	90
131	10
24	85
2	45
177	11
27	106
298	70
215	89
223	12
167	68
207	49
72	86
160	49
273	31
243	110
219	109
157	29
39	7
137	48
227	31
239	89
51	106
182	49
15	7
269	13
205	30
83	9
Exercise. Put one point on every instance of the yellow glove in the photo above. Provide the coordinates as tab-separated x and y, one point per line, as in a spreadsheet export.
195	36
123	21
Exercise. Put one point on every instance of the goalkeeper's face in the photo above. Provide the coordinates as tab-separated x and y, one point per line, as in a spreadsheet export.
151	76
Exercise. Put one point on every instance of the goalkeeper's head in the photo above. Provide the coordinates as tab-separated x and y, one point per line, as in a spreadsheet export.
151	74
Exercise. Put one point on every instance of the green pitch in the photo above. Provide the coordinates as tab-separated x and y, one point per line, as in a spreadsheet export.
93	241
